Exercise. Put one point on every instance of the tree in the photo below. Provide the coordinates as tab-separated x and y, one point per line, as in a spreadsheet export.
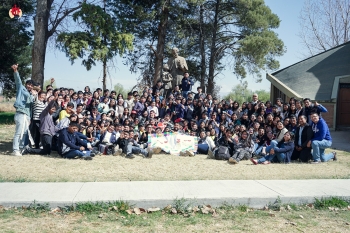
99	42
241	93
50	15
324	24
15	45
242	31
119	89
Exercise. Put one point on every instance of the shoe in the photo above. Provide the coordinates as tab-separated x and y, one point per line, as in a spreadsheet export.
210	155
253	161
315	162
189	153
87	157
16	153
157	150
130	156
266	162
25	149
183	154
232	160
335	156
149	153
118	152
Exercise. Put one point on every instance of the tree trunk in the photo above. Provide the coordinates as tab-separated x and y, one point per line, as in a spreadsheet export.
213	50
40	40
161	42
104	78
202	48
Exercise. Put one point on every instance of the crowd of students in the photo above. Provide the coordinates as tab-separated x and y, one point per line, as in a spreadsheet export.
81	124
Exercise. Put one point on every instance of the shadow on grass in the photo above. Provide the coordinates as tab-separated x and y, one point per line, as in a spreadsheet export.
7	118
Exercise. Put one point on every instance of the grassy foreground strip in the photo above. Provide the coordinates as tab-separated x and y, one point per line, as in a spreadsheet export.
36	168
325	215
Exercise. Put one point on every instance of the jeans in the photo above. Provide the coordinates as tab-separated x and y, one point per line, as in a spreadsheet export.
21	131
184	94
318	148
46	141
74	153
258	150
203	149
34	130
130	149
277	157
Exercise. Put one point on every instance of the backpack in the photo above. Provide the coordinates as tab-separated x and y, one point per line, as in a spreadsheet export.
222	153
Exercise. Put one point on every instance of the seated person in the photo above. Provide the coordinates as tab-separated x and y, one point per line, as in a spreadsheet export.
206	145
281	152
221	153
243	146
69	144
131	147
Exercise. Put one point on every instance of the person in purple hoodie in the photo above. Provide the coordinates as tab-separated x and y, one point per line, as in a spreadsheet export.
321	140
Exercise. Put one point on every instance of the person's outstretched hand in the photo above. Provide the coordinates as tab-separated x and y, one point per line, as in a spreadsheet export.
14	67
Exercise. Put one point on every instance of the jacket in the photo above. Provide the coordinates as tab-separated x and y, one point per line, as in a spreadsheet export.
287	149
24	99
306	135
112	139
186	84
47	125
69	141
321	131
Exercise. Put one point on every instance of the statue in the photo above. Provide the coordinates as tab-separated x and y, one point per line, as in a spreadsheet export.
166	79
177	66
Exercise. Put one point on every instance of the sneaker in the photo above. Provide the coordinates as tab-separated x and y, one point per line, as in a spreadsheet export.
315	162
183	154
149	153
210	155
16	153
118	152
232	160
157	150
25	150
130	156
254	161
335	156
189	153
87	157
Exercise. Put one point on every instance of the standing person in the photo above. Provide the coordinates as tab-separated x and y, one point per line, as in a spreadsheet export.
302	136
321	140
23	105
47	131
255	99
38	106
311	108
186	84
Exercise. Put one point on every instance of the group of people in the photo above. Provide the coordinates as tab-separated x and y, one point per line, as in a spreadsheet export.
81	124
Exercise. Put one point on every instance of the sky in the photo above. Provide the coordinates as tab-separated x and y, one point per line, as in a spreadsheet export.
76	76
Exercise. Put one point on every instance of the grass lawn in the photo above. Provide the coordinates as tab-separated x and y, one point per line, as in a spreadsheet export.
225	219
7	118
35	168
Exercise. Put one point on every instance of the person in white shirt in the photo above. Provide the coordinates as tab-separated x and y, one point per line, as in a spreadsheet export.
154	108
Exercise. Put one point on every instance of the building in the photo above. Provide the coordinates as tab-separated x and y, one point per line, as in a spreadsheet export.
324	78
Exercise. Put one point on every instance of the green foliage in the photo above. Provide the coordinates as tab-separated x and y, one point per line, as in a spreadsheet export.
337	202
99	42
15	39
242	208
7	118
90	207
39	208
241	93
182	205
119	89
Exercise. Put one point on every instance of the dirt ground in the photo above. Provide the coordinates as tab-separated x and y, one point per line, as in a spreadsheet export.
36	168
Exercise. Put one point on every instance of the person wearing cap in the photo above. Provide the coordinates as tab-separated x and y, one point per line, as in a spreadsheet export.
186	84
23	105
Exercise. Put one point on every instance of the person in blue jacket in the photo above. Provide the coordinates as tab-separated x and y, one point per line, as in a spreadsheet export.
186	85
321	140
23	105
